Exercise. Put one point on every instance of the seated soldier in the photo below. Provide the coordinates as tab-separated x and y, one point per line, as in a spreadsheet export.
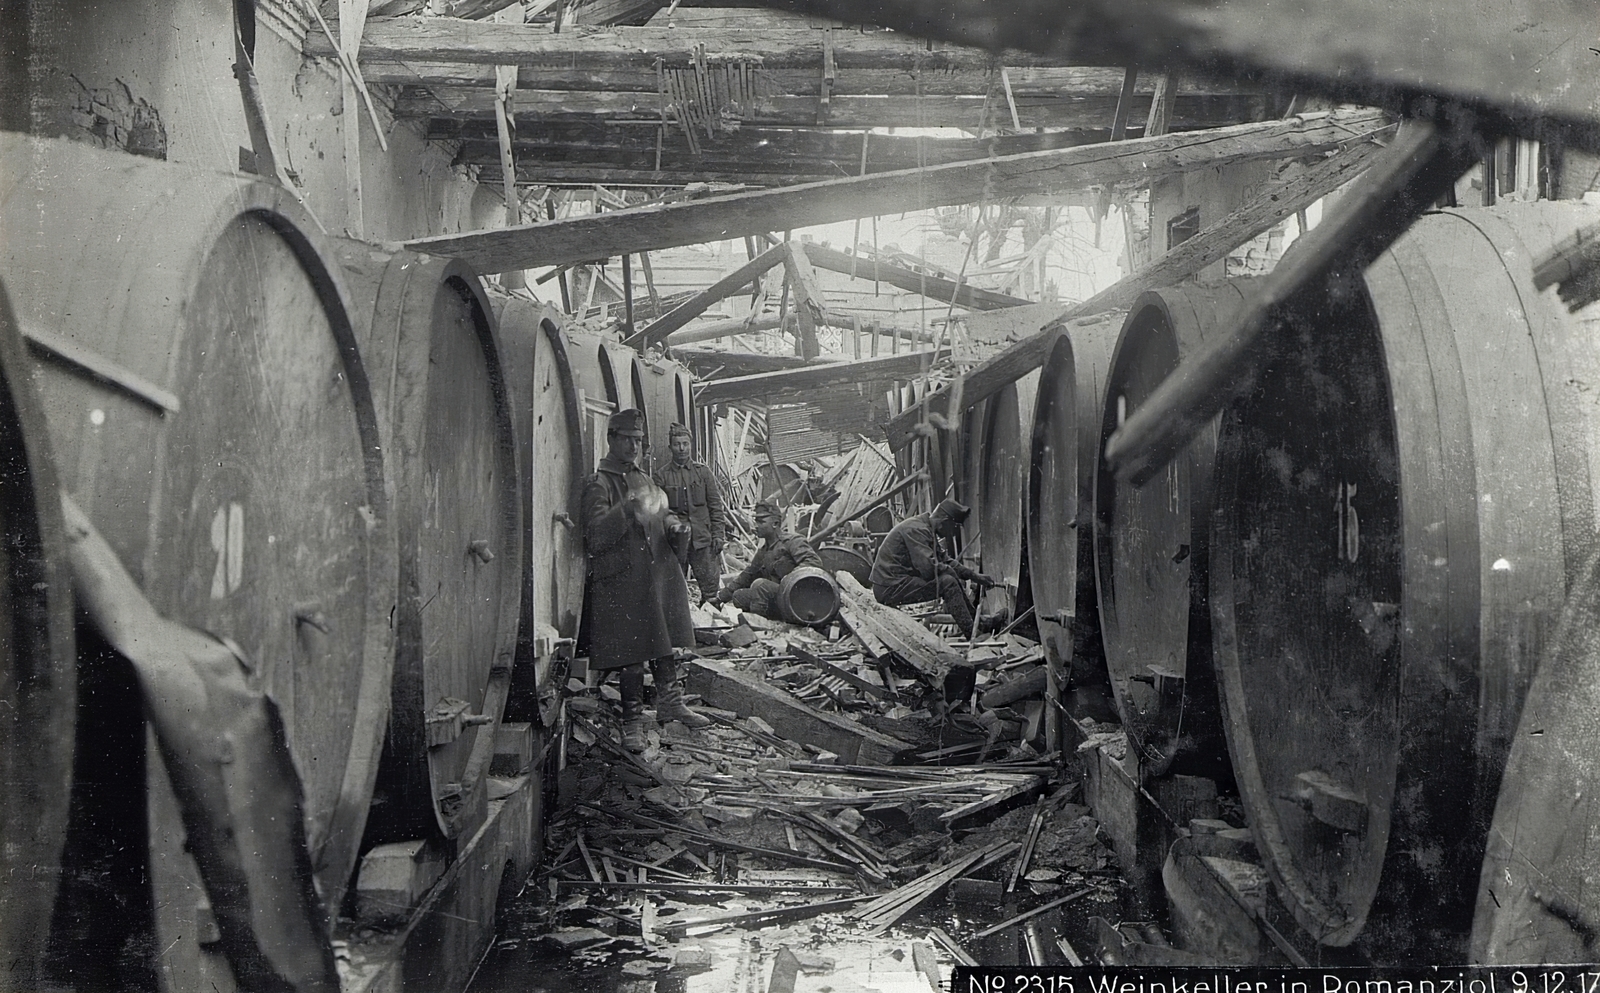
912	566
756	589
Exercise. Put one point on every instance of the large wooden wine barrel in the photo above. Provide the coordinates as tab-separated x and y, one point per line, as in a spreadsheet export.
1000	488
1063	449
427	339
38	679
1151	546
624	378
549	428
209	411
665	386
1402	505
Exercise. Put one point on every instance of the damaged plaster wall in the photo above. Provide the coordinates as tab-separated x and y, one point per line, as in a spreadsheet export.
155	78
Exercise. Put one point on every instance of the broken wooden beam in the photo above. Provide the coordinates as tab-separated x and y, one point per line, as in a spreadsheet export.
884	368
725	687
1413	172
1293	192
1523	63
645	228
936	287
916	645
724	329
723	288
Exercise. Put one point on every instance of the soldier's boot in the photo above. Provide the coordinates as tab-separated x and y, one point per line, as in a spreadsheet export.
632	680
669	696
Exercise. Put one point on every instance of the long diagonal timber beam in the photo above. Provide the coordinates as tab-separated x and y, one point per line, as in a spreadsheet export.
968	296
723	288
640	229
886	368
1272	205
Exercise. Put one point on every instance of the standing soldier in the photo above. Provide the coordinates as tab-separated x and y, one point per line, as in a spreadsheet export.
756	589
692	495
638	600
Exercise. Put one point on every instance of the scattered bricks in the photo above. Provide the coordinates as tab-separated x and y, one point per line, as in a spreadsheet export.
1231	843
569	940
739	637
394	877
513	749
986	893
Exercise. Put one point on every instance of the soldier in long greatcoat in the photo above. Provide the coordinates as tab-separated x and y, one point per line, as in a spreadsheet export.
638	599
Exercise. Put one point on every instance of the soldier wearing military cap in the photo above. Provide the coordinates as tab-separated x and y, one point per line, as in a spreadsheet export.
692	495
912	566
756	589
637	599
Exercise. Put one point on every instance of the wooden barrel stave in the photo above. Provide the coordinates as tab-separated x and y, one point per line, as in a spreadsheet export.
427	335
550	435
1062	454
1002	486
38	679
1151	547
210	413
1471	532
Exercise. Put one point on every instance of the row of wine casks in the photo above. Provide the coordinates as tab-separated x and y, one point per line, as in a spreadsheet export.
1366	592
343	458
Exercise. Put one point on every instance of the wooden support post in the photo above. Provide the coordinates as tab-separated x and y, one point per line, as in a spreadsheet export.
352	21
1161	104
808	302
505	88
1119	121
627	296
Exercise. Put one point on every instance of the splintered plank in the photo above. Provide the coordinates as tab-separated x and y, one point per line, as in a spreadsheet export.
921	648
720	685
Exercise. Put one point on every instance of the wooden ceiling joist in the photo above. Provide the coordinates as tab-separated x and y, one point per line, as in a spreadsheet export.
784	110
1528	65
528	46
712	219
1057	82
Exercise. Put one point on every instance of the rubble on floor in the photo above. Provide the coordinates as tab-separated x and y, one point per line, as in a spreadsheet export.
843	807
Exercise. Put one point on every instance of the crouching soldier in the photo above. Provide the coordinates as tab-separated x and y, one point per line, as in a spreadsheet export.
638	599
756	589
911	565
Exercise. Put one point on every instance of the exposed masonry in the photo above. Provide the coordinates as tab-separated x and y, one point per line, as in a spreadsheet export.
113	118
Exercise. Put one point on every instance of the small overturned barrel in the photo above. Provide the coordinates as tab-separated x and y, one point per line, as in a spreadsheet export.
837	559
38	677
1063	447
1151	546
427	339
1404	502
808	595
